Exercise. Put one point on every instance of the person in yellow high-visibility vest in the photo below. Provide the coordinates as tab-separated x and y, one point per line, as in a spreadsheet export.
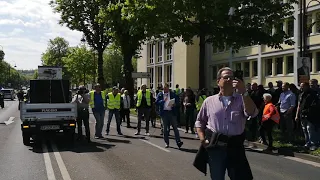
113	104
98	104
144	102
200	99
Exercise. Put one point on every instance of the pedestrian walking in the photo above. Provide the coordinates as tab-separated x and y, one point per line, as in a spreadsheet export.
166	101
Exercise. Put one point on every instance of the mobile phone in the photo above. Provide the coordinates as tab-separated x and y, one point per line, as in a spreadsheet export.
238	74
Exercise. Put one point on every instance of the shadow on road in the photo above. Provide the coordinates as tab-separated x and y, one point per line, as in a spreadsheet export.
63	144
172	137
194	151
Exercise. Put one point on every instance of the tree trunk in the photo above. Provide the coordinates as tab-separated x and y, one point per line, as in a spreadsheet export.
128	69
101	80
202	54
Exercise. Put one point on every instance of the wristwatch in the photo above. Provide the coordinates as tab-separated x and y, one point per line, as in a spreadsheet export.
245	94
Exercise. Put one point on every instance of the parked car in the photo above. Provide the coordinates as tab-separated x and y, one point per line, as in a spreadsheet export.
8	94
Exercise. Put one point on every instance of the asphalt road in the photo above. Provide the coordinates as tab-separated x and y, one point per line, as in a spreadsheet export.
128	157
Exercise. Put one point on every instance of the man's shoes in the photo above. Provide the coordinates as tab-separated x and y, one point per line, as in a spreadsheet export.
166	146
120	133
147	134
107	133
137	133
180	144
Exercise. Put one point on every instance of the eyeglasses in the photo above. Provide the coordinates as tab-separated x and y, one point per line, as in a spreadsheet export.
227	77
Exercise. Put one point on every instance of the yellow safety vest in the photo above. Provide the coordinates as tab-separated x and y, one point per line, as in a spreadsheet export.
114	102
177	91
139	97
200	101
91	103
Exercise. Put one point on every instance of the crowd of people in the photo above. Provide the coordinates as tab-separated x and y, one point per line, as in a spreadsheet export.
222	121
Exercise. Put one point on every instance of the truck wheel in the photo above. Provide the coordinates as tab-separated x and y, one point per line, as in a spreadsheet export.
26	139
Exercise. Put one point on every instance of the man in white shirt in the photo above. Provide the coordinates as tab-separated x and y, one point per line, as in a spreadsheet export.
125	107
82	99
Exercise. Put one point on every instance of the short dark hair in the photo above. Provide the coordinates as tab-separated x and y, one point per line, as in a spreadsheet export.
221	70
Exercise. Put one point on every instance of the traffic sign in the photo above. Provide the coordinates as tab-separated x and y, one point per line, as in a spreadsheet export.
141	75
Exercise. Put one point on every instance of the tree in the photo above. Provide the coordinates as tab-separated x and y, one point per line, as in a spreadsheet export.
127	32
233	23
1	55
113	64
35	75
79	63
82	15
56	50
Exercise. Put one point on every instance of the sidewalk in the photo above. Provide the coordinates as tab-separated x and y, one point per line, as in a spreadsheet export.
256	146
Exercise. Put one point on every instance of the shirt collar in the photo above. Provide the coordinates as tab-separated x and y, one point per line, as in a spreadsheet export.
234	95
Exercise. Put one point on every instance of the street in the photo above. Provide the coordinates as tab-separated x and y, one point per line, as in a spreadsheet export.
127	157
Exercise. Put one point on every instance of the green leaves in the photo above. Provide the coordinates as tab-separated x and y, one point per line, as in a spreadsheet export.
1	55
81	63
56	50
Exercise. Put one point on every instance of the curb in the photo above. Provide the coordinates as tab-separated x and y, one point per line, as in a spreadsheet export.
294	154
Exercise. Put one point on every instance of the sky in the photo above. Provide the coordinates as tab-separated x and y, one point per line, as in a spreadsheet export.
25	29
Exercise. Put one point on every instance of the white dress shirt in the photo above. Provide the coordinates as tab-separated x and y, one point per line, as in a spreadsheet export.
126	101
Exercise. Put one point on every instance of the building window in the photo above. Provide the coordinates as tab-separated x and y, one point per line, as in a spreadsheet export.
151	53
169	75
268	67
317	22
160	51
246	69
309	23
151	80
290	64
238	66
318	61
169	53
279	65
255	68
290	27
214	72
159	76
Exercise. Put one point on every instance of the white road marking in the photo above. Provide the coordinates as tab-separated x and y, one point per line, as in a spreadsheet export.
9	121
47	162
154	145
303	161
61	165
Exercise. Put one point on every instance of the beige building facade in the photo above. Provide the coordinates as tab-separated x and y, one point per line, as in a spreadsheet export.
176	65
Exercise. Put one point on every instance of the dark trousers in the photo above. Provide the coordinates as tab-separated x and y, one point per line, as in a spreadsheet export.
83	116
178	115
116	113
253	128
189	117
144	112
125	114
267	127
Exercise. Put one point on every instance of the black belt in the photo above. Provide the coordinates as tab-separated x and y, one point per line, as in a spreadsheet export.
220	140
